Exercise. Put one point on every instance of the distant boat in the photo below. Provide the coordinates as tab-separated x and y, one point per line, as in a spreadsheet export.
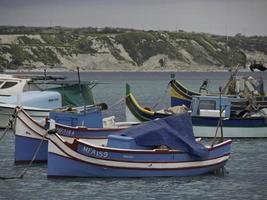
205	116
180	95
39	95
29	133
164	147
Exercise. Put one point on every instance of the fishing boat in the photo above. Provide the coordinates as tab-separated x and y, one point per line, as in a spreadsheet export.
237	86
31	135
164	147
246	122
39	95
135	112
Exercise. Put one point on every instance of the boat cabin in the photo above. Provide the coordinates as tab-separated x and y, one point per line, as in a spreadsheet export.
210	106
12	86
92	117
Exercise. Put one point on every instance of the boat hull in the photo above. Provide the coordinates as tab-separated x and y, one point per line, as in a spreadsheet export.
29	134
7	110
26	147
84	160
178	102
232	128
231	132
80	169
205	126
180	95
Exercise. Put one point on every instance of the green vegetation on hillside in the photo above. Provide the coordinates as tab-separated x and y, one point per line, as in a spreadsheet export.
48	45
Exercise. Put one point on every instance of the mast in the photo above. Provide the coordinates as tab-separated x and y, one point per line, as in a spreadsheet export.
80	86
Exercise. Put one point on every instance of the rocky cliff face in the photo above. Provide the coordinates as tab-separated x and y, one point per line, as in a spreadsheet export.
120	49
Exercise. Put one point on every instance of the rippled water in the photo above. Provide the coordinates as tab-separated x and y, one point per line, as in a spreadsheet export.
246	176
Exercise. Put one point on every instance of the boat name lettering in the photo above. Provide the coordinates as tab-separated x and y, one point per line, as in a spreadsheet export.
94	152
64	131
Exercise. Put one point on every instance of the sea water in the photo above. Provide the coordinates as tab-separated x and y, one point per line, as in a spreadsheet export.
245	177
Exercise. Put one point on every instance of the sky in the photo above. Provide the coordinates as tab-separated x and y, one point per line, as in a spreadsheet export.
223	17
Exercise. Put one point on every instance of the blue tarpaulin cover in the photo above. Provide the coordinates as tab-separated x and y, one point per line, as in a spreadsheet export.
176	132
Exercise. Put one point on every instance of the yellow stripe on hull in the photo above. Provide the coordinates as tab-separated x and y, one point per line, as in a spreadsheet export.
173	93
139	107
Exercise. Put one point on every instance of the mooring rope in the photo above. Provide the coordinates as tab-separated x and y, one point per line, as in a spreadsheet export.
217	128
22	174
117	102
160	99
34	156
5	132
9	126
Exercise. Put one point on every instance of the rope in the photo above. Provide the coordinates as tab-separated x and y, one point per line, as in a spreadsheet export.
160	99
34	156
117	102
217	128
5	132
9	126
219	124
30	164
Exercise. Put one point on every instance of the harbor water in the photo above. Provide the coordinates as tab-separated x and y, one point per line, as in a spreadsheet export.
245	176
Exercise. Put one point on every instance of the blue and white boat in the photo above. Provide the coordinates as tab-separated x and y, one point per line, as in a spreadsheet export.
237	86
29	133
236	124
164	147
205	110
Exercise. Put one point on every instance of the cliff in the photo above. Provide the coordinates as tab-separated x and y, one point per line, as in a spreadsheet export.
114	49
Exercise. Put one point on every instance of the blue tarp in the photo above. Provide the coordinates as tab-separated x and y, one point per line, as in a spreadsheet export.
176	132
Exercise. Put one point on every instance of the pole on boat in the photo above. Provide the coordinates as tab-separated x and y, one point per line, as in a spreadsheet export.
221	123
80	86
45	74
45	77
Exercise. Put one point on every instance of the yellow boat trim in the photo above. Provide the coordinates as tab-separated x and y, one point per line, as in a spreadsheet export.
173	93
188	90
139	107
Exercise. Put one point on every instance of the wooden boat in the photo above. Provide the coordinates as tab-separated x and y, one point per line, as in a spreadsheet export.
39	96
236	124
205	116
135	112
164	147
181	95
29	133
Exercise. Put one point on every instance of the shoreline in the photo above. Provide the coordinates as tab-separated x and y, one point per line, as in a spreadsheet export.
128	71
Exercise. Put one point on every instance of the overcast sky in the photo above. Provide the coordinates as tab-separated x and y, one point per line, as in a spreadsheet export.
212	16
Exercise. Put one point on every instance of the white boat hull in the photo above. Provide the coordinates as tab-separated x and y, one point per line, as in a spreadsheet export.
6	110
231	132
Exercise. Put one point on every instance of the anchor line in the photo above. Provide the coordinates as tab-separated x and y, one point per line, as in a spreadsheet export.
22	174
34	156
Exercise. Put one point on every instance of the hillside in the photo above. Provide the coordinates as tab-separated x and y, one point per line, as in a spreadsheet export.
33	48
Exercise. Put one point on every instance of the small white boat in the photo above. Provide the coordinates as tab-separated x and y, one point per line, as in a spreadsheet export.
38	100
